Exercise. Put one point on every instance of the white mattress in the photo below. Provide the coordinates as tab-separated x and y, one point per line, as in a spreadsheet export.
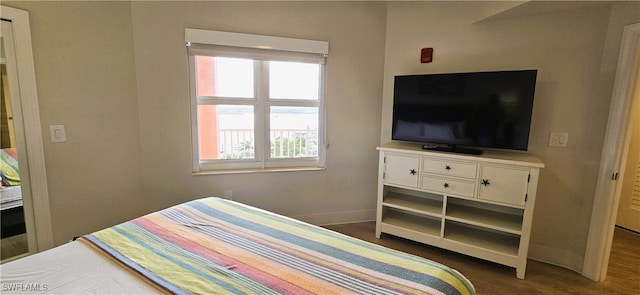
10	197
72	268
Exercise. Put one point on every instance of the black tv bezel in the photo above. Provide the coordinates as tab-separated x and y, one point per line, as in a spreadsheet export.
450	146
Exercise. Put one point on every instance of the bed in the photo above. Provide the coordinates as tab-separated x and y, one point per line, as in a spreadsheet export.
218	246
10	194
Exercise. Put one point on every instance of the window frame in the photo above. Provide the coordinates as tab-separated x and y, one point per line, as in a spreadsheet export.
224	44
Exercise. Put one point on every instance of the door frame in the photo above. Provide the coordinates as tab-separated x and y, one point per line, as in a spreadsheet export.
38	205
607	196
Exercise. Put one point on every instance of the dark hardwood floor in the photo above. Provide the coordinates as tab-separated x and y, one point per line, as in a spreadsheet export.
541	278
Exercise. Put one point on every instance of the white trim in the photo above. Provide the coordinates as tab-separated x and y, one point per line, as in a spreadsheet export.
255	41
193	112
259	170
606	199
261	102
261	121
32	127
340	217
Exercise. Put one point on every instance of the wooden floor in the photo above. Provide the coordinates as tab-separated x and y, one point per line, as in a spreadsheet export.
541	278
13	246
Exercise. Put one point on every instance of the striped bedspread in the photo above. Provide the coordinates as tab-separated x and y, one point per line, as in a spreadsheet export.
217	246
9	171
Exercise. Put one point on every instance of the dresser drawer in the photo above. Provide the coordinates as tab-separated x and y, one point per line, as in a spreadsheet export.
448	186
449	168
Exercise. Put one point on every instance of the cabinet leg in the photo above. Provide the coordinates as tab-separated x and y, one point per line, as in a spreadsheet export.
520	273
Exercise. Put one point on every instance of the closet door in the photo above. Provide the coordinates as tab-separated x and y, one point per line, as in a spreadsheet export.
629	208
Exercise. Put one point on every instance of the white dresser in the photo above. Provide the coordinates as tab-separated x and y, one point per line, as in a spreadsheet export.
481	206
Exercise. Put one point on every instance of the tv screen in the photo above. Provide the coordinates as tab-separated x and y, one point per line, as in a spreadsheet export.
481	109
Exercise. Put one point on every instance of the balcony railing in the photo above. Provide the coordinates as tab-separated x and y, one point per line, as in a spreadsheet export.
284	143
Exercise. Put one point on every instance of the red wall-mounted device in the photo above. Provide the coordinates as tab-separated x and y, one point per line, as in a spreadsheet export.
426	55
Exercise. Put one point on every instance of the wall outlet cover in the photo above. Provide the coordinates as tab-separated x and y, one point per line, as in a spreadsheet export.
558	139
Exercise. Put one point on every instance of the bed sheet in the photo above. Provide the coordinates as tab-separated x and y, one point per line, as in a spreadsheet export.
72	268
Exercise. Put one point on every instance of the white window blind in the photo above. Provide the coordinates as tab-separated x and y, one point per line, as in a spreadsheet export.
256	41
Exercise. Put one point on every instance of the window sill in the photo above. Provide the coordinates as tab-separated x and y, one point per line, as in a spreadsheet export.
264	170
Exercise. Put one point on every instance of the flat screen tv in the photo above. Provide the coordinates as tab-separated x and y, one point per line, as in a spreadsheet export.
464	112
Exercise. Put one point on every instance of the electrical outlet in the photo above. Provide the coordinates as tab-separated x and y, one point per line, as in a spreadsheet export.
228	194
558	139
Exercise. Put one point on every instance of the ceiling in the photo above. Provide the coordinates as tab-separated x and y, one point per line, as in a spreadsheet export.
507	9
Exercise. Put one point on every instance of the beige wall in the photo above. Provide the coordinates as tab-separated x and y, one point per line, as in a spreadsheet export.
572	95
83	54
355	32
115	73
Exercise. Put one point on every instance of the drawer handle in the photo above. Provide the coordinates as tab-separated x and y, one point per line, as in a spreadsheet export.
447	167
485	182
412	171
446	185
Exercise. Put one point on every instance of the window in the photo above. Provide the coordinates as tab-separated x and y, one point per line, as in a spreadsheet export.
252	107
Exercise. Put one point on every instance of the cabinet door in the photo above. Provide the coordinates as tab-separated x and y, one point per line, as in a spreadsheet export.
401	170
503	184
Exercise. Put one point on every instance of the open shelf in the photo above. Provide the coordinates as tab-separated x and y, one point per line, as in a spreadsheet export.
491	240
407	220
428	204
484	217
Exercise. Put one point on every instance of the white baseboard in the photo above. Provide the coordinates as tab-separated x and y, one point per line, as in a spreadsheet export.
556	257
338	217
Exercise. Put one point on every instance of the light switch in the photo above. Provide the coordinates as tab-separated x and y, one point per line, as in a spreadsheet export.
558	139
57	133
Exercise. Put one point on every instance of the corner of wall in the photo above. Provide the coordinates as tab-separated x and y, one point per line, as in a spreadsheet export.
556	257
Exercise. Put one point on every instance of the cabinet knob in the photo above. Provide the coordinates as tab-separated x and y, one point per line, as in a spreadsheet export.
447	167
412	171
485	182
446	185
